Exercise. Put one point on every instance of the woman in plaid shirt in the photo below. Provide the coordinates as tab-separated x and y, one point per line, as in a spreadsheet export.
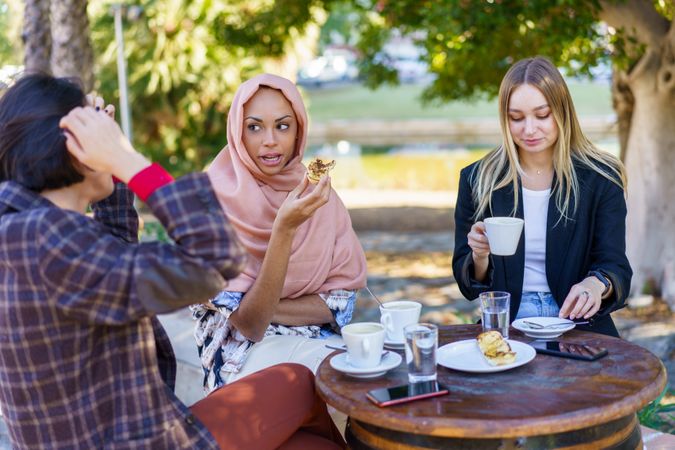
84	363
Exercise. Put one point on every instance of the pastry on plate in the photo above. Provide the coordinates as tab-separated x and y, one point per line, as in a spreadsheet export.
495	349
318	168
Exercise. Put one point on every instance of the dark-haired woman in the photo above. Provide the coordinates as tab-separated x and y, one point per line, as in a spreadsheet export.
84	362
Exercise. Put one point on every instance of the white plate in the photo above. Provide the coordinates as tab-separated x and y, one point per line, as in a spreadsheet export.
548	333
394	345
388	362
467	357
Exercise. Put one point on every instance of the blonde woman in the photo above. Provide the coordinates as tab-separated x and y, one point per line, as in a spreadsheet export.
571	260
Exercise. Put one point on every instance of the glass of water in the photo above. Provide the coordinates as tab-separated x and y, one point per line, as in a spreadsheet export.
421	341
494	308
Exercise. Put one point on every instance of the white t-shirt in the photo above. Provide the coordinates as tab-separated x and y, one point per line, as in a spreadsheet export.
535	212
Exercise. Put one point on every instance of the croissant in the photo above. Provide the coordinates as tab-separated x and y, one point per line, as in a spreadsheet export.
495	349
317	168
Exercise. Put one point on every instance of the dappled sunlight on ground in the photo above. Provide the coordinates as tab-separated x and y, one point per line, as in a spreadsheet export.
658	309
413	264
423	275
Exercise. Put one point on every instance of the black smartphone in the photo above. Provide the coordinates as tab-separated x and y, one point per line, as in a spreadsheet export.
569	350
406	393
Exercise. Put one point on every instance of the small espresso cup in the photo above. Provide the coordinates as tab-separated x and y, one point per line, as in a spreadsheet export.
396	315
503	234
364	342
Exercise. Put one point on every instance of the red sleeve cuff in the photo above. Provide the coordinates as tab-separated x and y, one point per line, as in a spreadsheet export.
148	180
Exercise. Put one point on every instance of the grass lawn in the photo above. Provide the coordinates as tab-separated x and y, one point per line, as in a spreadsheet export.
402	102
428	172
436	172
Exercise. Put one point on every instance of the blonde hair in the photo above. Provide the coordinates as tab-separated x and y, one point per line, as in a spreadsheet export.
501	166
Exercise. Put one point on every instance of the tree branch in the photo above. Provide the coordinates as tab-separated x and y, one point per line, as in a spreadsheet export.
638	18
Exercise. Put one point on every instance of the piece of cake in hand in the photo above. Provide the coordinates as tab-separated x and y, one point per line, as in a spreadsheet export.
318	168
495	349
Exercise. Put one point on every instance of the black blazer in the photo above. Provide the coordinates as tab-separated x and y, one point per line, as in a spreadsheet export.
594	239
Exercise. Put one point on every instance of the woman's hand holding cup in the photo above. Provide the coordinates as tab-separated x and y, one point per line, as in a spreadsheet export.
496	235
478	242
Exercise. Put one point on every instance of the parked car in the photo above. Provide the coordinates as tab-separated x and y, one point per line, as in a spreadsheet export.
402	54
408	69
333	66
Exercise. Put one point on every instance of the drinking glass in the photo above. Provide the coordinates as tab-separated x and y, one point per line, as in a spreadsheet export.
421	342
494	307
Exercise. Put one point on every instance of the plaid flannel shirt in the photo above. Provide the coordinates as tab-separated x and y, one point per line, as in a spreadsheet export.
83	361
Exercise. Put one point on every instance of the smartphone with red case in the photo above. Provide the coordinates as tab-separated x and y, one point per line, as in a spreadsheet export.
406	393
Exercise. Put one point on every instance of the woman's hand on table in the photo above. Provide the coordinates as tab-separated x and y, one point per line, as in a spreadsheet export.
584	299
296	209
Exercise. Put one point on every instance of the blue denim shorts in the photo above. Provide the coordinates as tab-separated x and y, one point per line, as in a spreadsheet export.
537	304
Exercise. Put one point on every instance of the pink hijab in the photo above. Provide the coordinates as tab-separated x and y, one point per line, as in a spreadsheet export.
326	253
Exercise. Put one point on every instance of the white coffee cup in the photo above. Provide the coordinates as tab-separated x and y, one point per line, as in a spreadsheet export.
364	342
503	234
397	315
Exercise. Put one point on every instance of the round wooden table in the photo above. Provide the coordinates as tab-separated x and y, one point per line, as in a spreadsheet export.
550	402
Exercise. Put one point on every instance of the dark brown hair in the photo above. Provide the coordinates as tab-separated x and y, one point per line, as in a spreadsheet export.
32	146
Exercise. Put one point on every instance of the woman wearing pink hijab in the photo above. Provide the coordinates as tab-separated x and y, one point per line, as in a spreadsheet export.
305	262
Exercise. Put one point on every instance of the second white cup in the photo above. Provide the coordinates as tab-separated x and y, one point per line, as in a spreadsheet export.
397	315
364	342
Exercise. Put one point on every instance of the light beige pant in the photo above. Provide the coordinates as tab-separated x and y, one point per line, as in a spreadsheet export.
279	349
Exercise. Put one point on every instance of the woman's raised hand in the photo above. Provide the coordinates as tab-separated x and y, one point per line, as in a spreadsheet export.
98	103
296	209
96	140
478	241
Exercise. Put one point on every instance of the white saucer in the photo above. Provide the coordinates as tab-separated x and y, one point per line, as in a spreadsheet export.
550	333
467	357
394	345
388	362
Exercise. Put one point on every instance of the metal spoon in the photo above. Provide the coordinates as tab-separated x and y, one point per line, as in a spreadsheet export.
539	326
374	296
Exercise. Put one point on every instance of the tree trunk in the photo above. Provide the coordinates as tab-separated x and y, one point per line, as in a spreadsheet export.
622	101
650	160
36	36
72	54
